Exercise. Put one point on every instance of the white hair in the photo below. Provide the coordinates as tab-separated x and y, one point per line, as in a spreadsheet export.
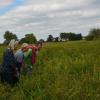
13	44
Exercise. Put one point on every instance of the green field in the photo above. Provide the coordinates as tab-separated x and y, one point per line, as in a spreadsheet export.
63	71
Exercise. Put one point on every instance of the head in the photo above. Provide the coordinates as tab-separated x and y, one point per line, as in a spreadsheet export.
13	44
38	45
24	45
16	44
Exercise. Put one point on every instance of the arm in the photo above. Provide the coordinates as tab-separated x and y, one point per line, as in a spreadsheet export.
28	53
13	62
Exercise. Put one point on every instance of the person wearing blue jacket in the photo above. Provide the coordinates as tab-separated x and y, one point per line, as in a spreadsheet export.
9	70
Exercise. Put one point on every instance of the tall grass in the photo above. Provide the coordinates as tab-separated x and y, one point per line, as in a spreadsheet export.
63	71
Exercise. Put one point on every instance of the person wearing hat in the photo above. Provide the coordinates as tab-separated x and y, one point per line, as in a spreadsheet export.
30	52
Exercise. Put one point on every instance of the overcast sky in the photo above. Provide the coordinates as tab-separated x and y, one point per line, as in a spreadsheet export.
44	17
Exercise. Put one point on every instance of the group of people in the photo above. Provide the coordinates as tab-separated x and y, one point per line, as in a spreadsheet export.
13	64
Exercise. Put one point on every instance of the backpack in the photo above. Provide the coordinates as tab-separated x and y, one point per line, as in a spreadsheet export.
9	62
8	68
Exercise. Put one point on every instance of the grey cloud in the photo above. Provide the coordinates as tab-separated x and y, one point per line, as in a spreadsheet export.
42	17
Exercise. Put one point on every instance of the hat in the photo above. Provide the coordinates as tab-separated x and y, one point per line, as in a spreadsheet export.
24	45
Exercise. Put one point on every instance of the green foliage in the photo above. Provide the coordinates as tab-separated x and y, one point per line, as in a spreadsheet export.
64	36
8	36
70	36
50	38
29	38
56	39
93	34
42	40
63	71
89	38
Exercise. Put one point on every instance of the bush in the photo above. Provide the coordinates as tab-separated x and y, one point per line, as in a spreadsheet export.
89	38
29	38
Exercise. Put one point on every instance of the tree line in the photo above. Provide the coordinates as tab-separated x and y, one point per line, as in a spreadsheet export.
28	38
94	34
65	37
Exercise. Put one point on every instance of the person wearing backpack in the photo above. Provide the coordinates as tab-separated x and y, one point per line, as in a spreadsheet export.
9	70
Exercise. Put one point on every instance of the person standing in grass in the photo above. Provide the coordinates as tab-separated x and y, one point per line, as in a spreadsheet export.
19	56
30	52
9	71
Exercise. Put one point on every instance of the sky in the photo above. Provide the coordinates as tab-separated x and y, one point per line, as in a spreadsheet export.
44	17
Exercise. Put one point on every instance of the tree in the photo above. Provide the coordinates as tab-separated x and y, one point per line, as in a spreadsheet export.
89	38
79	37
57	39
29	38
23	40
42	40
50	38
93	34
70	36
74	37
64	36
8	36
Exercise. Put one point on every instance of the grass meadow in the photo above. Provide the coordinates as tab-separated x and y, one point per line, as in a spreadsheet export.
63	71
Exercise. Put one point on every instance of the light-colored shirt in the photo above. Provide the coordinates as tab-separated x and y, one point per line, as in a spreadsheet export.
28	58
19	56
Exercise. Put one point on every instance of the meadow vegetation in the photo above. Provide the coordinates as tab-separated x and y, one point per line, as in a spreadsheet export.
63	71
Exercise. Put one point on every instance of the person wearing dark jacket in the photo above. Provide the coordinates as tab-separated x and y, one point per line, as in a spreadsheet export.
9	70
